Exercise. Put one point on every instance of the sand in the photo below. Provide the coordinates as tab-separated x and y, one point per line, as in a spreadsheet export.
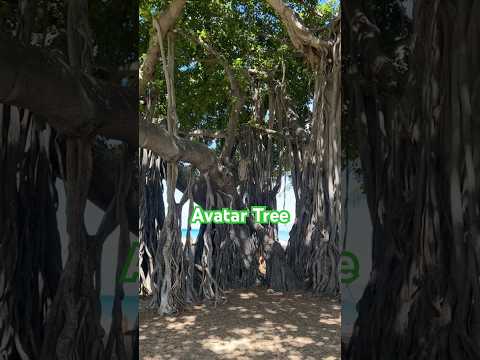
252	324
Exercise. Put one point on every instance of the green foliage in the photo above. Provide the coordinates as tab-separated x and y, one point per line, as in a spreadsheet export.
250	36
115	25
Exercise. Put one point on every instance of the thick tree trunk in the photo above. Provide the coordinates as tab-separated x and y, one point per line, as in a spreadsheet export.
280	276
313	249
259	183
420	163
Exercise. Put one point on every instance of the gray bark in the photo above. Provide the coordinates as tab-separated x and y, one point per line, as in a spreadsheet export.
420	164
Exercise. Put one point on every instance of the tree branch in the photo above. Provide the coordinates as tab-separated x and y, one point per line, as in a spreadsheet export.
176	149
74	104
166	20
365	34
302	38
36	80
236	91
221	134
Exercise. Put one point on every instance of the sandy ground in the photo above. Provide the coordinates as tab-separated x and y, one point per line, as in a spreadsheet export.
252	324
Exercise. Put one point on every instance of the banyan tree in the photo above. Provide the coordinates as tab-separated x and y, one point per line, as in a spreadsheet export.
236	96
62	99
412	90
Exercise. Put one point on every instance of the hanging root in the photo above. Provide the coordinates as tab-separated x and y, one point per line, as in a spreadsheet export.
26	270
209	288
171	274
323	266
116	342
151	216
280	277
73	326
235	265
191	295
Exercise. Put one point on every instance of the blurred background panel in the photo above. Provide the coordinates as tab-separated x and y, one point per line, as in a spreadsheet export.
411	75
68	179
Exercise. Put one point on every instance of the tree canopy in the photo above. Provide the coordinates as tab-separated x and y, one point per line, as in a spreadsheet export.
251	40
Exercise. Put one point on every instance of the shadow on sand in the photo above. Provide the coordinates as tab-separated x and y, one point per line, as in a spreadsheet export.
252	324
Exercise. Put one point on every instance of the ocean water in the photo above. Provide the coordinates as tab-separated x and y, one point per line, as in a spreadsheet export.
129	308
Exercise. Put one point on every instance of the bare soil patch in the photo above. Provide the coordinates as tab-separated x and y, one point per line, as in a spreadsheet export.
252	324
